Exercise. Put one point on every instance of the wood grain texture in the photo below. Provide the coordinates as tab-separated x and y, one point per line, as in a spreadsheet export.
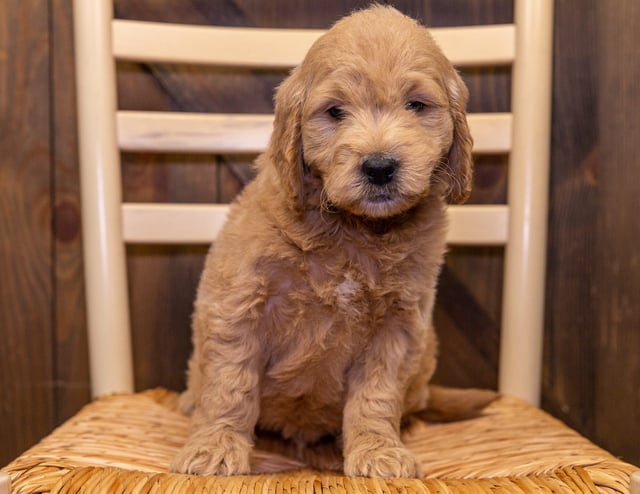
592	370
571	312
70	335
617	287
163	280
26	291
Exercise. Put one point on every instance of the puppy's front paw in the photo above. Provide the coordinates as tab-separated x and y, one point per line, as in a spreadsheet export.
381	461
223	453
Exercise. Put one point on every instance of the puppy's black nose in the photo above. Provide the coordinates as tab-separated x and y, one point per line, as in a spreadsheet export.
379	170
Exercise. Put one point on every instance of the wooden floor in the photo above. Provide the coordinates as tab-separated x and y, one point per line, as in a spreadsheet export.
592	354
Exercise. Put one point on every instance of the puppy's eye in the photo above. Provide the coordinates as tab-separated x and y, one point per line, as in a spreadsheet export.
336	113
416	106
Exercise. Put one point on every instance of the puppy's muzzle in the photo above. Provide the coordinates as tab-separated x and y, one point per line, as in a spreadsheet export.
379	170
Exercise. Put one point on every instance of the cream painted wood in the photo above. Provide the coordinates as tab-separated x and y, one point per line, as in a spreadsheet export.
172	223
201	223
5	483
226	46
282	48
520	369
491	132
478	225
634	488
233	133
110	355
194	132
477	45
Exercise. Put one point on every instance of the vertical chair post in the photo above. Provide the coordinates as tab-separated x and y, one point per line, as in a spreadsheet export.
110	352
524	285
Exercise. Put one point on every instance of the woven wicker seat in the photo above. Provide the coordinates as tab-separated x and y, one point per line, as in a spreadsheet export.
123	442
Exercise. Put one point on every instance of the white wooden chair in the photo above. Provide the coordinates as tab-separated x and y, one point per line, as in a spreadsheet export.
128	439
520	224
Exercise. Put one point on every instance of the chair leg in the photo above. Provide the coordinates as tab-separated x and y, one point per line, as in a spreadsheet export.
5	483
634	488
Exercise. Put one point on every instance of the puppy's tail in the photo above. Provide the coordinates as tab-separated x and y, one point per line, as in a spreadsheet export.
449	404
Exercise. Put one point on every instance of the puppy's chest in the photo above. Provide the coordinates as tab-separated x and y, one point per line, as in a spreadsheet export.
350	287
331	302
321	303
315	332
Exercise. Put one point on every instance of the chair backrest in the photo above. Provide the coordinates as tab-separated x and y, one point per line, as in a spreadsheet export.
104	132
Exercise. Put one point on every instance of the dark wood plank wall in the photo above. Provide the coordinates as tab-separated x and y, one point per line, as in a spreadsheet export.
592	356
617	276
592	353
27	394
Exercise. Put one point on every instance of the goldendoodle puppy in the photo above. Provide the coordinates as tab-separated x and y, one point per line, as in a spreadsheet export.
313	315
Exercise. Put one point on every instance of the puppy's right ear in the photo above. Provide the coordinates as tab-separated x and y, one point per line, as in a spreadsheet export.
285	148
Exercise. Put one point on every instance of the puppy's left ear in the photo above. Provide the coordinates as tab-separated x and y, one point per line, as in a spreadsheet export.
459	171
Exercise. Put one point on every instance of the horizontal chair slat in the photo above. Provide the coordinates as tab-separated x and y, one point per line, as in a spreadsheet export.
194	132
478	45
211	45
172	223
218	133
200	223
478	224
282	48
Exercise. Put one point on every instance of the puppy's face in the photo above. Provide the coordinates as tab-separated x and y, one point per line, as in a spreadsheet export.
374	135
379	115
